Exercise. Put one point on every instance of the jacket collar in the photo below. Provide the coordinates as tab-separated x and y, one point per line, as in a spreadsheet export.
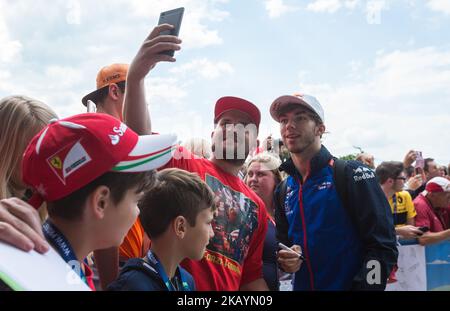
318	162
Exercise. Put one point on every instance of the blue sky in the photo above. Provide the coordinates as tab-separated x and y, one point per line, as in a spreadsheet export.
380	68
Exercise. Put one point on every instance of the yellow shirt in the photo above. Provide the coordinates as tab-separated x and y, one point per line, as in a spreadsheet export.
402	208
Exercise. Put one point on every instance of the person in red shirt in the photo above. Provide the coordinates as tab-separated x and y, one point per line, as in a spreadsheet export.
235	261
233	258
432	207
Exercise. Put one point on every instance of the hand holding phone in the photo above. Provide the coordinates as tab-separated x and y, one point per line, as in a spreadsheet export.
174	18
152	51
424	229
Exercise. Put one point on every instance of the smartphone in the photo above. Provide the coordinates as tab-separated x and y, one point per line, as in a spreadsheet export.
424	229
420	163
172	17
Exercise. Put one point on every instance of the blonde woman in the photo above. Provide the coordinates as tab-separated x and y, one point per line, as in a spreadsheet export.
21	118
262	177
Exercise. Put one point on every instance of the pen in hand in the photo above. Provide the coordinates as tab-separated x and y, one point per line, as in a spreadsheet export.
282	246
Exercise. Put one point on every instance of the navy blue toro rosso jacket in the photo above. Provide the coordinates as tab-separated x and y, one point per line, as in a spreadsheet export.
350	247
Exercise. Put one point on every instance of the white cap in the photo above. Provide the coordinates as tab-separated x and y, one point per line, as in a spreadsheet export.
304	100
438	184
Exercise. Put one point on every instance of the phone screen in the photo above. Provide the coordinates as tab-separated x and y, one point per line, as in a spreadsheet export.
172	17
420	163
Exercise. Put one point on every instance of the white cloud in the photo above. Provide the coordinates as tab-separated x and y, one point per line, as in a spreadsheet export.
373	10
60	77
321	6
204	68
332	6
276	8
73	16
424	71
10	49
442	6
165	91
351	4
400	103
197	35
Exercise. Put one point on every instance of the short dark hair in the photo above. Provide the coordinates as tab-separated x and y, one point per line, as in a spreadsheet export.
386	170
426	165
175	193
103	93
72	206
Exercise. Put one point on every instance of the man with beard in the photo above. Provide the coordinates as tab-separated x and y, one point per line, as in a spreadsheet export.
348	241
236	122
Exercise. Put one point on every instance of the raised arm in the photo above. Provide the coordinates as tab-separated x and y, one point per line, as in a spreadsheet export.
136	114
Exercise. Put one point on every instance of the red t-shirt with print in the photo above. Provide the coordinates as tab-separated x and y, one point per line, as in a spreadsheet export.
234	255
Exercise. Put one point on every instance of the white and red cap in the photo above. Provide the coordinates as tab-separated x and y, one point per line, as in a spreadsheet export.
308	101
70	153
438	184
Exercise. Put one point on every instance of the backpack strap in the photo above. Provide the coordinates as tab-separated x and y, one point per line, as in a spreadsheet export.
282	192
338	167
282	225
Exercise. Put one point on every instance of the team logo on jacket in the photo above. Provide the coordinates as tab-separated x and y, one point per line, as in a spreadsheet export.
324	185
363	173
287	207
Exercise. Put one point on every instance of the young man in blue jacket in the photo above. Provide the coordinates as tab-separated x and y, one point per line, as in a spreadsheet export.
348	241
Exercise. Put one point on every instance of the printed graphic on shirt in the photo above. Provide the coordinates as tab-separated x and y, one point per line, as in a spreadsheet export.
235	221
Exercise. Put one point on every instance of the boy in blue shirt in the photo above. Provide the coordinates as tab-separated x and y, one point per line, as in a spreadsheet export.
176	214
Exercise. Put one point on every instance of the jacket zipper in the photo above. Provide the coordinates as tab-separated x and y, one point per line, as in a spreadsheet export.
305	238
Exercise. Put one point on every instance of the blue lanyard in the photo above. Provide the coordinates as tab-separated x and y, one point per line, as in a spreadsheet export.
62	246
160	269
394	202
